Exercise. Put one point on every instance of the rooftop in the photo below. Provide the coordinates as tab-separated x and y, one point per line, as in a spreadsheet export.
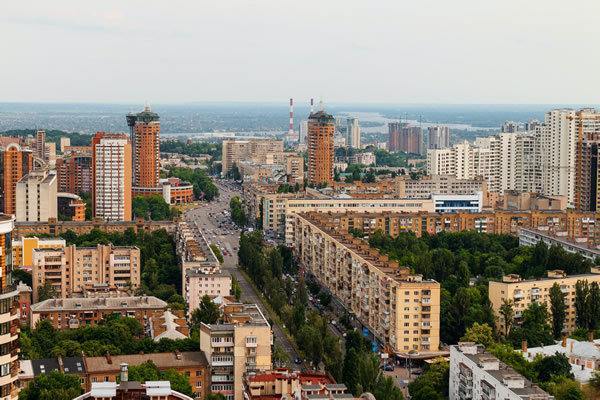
140	302
169	360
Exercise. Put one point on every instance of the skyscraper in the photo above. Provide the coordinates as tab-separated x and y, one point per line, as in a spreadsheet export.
353	133
439	137
303	131
14	164
144	130
111	177
394	136
411	139
40	145
74	172
321	130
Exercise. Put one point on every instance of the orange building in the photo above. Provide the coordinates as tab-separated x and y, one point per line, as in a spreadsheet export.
144	130
74	172
15	163
111	177
321	130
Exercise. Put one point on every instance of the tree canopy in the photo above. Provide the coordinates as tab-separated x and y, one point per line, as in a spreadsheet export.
52	386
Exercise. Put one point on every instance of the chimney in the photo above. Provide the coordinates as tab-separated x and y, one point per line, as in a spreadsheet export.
524	347
177	354
142	352
571	350
564	341
124	375
591	336
108	359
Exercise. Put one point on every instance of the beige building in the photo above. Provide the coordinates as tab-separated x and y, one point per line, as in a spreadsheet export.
239	345
425	186
71	269
401	310
22	250
524	292
37	196
235	150
198	285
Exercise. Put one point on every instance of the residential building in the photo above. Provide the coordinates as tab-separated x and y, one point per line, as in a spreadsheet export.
439	137
321	129
353	133
15	163
199	284
144	135
24	302
577	245
411	140
22	249
588	172
513	200
64	142
524	292
236	150
302	131
366	158
9	315
111	177
40	145
37	196
74	172
401	310
55	227
192	364
394	128
509	127
282	382
71	206
73	366
425	186
72	313
476	374
239	345
71	268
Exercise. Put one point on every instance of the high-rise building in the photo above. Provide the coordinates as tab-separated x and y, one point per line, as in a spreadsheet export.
439	137
144	131
531	125
14	164
111	177
394	136
303	131
9	314
74	172
353	133
411	140
588	177
64	143
509	127
321	129
37	196
235	150
40	145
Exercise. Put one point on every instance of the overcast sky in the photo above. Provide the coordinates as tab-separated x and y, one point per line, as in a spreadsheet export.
397	51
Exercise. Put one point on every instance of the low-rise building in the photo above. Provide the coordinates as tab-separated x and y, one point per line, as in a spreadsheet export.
125	390
239	345
22	250
170	324
476	374
72	313
30	369
578	245
71	269
524	292
400	309
24	302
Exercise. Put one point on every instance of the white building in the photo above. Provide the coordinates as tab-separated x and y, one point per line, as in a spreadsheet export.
477	374
439	137
353	133
37	197
579	245
452	203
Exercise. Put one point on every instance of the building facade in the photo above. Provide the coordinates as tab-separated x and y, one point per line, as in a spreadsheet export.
439	137
235	150
411	140
321	129
37	196
74	172
353	133
144	131
15	163
111	177
22	249
70	269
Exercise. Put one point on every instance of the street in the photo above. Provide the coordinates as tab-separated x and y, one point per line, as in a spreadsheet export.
219	230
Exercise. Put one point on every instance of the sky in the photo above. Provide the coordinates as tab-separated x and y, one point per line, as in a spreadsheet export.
375	51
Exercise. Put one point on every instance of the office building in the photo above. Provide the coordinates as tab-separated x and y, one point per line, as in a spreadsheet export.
321	129
22	249
236	150
144	131
238	346
111	177
15	163
439	137
411	140
74	172
282	383
374	289
524	292
37	196
477	374
70	269
353	133
40	145
72	313
9	315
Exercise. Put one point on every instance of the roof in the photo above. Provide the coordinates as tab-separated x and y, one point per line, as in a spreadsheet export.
71	365
162	361
321	114
171	326
158	388
104	389
109	303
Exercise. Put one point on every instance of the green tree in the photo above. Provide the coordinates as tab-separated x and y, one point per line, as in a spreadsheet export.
385	389
506	310
148	371
557	309
236	290
22	276
208	312
479	333
356	232
217	252
351	371
215	396
46	291
556	364
52	386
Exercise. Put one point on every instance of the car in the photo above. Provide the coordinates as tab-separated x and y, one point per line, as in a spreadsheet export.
388	367
417	372
297	360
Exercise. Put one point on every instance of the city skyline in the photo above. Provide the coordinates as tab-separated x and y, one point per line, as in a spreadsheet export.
254	52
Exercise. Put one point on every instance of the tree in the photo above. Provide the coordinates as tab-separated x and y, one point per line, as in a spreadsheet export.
557	308
46	291
215	396
217	252
506	310
351	372
208	312
385	389
556	364
236	290
22	276
481	334
587	305
52	386
356	232
148	371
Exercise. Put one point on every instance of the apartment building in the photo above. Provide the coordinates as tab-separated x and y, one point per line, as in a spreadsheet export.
425	186
71	205
411	140
74	171
321	131
235	150
353	132
55	227
238	346
15	163
111	177
477	374
144	131
577	245
400	309
73	366
70	269
22	249
37	196
439	137
282	382
67	313
524	292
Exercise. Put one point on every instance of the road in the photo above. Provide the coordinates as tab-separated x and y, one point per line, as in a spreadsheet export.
229	240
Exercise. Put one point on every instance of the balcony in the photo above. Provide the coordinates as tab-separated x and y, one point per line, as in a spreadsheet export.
426	301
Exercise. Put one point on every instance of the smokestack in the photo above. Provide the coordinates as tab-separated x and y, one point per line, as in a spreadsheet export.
312	106
291	132
124	375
